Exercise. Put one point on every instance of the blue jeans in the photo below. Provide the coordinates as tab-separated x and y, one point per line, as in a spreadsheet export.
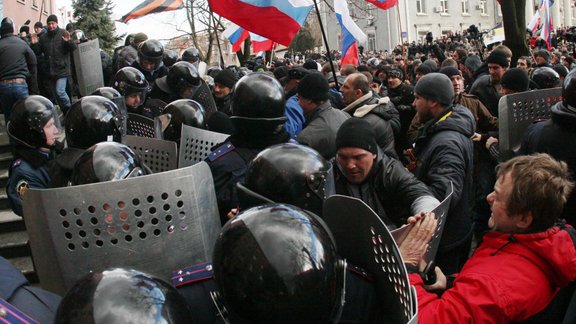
9	94
61	95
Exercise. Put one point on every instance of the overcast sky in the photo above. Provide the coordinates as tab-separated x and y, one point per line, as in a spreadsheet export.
162	26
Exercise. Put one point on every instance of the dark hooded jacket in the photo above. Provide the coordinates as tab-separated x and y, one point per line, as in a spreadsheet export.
382	115
444	152
556	137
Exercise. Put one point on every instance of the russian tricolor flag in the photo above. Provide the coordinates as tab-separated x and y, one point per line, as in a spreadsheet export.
384	4
546	21
236	35
261	44
277	20
351	33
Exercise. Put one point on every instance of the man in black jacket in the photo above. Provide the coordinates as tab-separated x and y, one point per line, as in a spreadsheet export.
443	152
17	64
56	45
380	113
362	171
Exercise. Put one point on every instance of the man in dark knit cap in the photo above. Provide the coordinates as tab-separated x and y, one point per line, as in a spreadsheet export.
443	160
487	87
56	46
514	80
224	82
322	120
363	171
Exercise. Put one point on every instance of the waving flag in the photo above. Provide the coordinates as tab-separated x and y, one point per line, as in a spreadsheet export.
277	20
351	33
261	44
546	21
152	6
534	22
236	35
384	4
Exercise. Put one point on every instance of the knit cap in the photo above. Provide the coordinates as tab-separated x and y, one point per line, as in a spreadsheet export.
356	132
436	87
226	78
314	86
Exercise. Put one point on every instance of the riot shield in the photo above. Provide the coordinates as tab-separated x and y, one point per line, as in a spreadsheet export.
196	144
364	241
154	223
88	67
517	111
157	154
139	125
203	96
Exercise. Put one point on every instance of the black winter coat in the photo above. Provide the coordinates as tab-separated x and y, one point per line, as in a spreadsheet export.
444	153
56	53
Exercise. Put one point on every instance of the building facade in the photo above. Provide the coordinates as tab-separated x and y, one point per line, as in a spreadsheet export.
411	20
22	10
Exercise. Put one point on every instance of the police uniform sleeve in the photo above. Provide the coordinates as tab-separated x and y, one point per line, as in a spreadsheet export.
22	178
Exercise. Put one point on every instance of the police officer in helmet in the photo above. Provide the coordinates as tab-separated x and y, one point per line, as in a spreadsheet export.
258	117
181	82
183	112
132	84
93	119
122	296
149	62
107	161
33	130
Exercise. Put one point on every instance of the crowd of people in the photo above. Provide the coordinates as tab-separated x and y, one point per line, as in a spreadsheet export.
398	131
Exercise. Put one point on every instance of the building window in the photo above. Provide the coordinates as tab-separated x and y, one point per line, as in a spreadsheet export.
444	5
420	7
482	7
22	1
35	3
465	10
371	42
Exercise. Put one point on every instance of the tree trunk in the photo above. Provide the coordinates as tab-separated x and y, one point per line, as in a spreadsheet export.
514	19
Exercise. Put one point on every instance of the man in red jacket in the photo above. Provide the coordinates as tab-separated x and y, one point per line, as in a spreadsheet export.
522	262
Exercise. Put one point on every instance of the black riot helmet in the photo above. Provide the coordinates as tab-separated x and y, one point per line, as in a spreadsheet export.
122	296
183	112
545	77
129	81
93	119
257	102
7	26
151	51
569	90
169	57
183	74
288	173
78	36
107	161
191	54
31	118
278	264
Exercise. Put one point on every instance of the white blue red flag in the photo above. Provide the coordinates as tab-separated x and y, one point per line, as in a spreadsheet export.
546	21
277	20
384	4
351	33
261	44
236	35
534	22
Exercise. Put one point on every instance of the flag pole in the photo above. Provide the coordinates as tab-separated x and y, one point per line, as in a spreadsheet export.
326	43
222	65
404	58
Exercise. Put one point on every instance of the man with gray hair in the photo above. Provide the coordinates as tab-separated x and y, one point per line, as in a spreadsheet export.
380	113
471	66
